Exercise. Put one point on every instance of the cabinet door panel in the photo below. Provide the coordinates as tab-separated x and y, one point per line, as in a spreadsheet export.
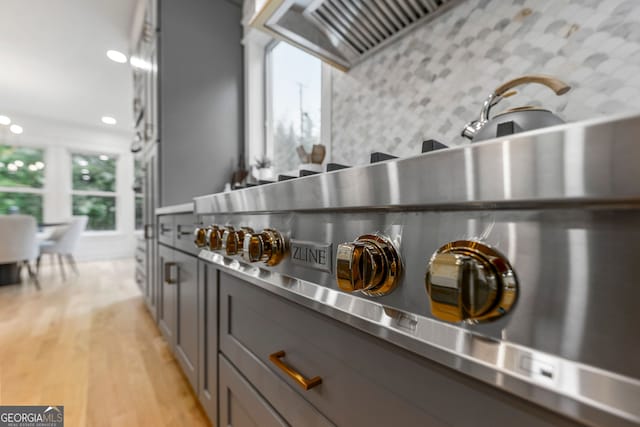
240	404
187	325
151	288
167	308
208	343
356	370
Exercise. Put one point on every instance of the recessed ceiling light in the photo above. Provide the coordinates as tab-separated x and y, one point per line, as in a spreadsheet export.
16	129
108	120
4	120
104	157
117	56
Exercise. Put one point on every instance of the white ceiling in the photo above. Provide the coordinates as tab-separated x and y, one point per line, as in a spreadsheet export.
53	61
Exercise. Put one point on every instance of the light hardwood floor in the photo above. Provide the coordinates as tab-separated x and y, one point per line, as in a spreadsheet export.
89	344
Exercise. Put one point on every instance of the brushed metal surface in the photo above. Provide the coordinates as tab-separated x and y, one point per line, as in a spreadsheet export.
562	204
312	255
595	161
175	209
345	32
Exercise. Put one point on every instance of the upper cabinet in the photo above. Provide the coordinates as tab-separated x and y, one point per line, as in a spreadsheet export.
143	63
341	32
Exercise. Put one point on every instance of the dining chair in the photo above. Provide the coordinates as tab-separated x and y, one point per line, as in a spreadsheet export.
19	243
63	242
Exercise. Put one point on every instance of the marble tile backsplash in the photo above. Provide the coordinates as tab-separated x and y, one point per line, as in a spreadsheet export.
431	82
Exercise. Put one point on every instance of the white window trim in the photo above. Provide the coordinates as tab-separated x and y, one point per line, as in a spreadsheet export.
257	132
115	194
32	190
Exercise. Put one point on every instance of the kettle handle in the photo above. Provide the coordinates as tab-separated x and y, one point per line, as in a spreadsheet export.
558	86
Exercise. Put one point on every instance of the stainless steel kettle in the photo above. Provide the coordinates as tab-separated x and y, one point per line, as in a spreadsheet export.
516	119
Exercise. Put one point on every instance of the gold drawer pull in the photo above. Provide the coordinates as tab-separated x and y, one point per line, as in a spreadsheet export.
168	267
305	383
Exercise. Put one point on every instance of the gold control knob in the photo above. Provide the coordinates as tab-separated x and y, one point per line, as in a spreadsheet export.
214	237
267	246
470	281
234	239
370	265
200	237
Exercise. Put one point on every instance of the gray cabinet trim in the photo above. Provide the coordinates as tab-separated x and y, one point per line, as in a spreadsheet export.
208	340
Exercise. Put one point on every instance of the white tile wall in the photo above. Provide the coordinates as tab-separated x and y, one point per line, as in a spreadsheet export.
431	82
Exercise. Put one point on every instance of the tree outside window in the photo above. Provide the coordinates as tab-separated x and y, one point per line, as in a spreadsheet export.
94	189
293	106
21	180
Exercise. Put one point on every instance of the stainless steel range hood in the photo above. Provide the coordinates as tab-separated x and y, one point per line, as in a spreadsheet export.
344	32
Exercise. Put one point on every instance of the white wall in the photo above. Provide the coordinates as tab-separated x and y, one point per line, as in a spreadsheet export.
60	139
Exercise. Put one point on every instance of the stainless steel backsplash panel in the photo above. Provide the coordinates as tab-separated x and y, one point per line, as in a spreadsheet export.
587	163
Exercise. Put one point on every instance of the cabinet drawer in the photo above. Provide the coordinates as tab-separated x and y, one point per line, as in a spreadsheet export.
365	381
240	404
166	229
283	407
184	225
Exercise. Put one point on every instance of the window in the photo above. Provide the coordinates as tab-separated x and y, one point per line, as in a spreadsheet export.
293	98
21	180
94	186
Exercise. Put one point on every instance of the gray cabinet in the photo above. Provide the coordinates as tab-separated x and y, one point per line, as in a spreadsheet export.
166	229
145	147
150	201
178	301
365	381
187	316
240	404
167	298
208	341
188	112
145	186
201	96
183	226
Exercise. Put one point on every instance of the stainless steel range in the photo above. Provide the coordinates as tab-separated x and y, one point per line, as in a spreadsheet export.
513	261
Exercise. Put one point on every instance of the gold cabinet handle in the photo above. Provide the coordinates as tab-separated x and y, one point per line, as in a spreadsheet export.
167	273
305	383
